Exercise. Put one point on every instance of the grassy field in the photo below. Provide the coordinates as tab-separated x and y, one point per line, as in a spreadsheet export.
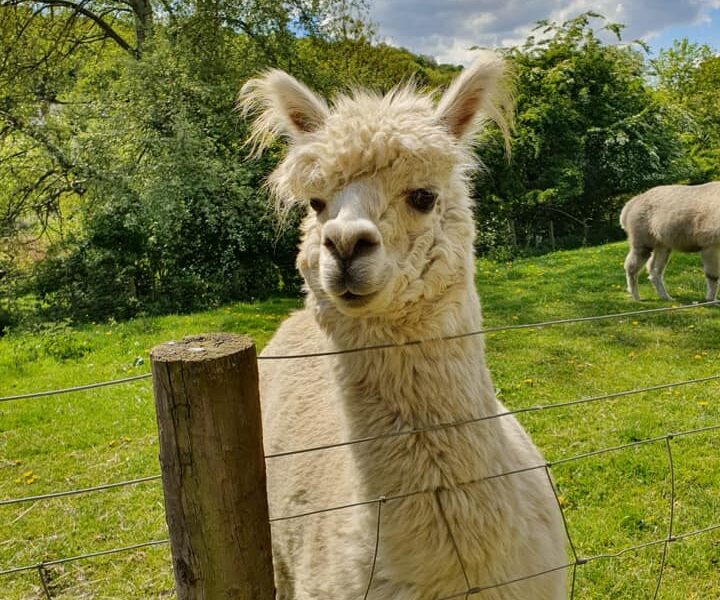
612	501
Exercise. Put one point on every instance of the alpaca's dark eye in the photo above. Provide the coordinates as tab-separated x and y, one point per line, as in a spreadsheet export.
317	205
422	200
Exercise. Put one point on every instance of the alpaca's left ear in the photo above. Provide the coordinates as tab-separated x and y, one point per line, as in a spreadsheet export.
479	90
283	106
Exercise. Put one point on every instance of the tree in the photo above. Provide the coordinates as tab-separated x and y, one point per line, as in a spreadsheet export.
588	129
674	69
687	77
69	24
52	49
161	210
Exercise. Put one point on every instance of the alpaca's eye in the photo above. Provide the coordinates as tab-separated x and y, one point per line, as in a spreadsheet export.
317	205
422	200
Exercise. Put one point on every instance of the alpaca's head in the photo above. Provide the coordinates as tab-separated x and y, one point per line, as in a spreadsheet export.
389	220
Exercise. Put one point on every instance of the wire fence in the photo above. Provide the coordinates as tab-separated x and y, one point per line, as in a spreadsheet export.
537	325
77	388
470	590
546	467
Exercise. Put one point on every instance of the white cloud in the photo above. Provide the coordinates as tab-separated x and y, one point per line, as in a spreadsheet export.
447	29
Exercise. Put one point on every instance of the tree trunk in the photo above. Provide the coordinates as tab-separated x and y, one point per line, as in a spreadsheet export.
143	15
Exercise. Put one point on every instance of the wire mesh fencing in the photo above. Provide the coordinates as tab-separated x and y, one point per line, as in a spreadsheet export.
577	559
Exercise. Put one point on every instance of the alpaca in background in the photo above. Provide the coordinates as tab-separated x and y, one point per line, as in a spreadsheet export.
387	256
672	217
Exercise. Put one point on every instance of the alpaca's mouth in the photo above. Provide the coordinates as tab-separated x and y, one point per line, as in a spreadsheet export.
357	299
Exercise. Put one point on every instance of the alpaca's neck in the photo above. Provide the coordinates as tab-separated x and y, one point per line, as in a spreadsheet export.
417	386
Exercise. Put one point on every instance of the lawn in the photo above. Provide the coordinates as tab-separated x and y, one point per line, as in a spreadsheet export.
612	501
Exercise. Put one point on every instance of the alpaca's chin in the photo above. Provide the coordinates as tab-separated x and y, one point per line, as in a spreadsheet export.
352	304
354	297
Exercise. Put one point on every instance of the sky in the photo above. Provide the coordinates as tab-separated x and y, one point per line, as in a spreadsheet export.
447	29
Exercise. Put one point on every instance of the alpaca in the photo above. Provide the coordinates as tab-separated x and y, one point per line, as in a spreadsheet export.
667	218
387	256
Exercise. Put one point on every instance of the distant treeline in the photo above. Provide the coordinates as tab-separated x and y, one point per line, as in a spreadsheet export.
125	186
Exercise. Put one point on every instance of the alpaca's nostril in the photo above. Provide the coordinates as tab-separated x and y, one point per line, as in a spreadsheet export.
330	245
363	245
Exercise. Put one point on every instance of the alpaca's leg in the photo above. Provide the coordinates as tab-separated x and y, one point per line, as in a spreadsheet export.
635	260
656	269
711	265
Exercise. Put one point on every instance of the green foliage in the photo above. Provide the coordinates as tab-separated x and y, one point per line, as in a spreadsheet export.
588	132
6	319
675	68
171	215
124	180
333	66
688	79
61	342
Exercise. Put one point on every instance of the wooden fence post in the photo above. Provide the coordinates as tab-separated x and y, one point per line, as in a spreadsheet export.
213	467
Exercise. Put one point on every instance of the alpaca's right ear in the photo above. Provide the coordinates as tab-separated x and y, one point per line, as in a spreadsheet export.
283	106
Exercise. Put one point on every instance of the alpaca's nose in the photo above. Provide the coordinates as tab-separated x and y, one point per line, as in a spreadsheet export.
349	241
349	251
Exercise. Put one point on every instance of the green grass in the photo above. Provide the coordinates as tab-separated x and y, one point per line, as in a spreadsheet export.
87	438
612	501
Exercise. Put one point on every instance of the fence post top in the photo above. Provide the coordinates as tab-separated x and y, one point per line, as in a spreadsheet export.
203	347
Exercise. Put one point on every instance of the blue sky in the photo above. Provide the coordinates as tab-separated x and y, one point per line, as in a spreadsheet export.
705	32
446	29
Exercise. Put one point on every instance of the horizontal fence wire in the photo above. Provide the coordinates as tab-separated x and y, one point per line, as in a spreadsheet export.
78	388
583	561
60	561
665	542
87	490
538	325
479	589
536	408
79	491
470	591
547	464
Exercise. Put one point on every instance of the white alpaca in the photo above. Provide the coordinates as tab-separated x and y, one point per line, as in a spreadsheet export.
672	217
387	256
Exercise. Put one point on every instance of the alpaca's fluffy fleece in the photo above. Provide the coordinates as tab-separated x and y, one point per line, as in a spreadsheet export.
673	217
379	269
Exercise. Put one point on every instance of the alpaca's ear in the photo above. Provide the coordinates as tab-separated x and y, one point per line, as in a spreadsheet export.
481	89
283	105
